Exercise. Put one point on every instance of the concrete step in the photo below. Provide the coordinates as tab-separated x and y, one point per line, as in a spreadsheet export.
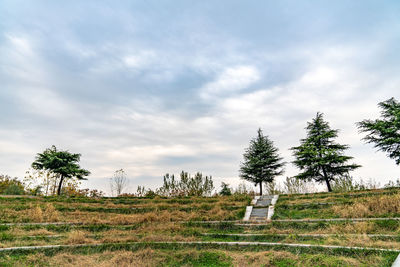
259	213
263	202
258	219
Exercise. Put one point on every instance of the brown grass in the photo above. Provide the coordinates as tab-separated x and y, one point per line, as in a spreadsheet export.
145	257
50	213
45	212
77	237
371	206
352	228
37	214
260	258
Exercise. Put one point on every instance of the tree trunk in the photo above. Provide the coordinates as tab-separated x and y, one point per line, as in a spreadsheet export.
260	188
328	185
60	185
327	180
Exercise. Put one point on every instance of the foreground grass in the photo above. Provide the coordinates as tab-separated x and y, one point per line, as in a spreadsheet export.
196	255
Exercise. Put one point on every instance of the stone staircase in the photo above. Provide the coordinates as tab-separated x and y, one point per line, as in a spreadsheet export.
260	208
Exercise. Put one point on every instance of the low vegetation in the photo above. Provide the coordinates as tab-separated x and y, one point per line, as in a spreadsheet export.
148	231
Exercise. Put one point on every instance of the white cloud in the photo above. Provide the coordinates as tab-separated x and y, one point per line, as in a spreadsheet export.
232	79
140	59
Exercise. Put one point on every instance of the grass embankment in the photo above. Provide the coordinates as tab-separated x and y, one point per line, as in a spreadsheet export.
358	204
132	226
120	210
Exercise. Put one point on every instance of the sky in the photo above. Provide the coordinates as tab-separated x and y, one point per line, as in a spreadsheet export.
157	87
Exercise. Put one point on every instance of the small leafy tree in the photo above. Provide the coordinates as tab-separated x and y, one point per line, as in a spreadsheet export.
118	182
319	157
262	162
61	163
225	190
385	132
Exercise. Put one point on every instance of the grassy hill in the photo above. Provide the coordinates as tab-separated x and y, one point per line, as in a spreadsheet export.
199	231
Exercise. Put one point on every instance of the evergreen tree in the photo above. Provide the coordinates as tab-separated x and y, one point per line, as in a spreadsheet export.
385	132
61	163
225	190
261	161
319	157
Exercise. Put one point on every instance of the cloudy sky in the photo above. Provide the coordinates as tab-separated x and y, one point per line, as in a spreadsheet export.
163	86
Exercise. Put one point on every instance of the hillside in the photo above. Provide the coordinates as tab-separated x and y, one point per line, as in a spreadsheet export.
306	230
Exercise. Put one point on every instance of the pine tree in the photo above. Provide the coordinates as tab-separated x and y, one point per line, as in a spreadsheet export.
319	157
261	161
385	132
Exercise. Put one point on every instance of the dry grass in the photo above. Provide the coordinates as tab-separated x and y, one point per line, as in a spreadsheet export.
37	214
260	258
50	213
149	217
352	228
145	257
371	206
164	210
77	237
35	232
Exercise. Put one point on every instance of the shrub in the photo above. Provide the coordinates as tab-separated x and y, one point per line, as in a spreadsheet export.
150	194
187	185
346	183
273	188
13	189
294	185
225	190
11	186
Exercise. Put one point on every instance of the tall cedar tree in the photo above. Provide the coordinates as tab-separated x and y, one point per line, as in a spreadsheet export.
261	161
385	132
319	157
61	163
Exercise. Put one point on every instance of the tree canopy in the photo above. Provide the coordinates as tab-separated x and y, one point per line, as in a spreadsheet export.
62	163
319	157
385	132
262	162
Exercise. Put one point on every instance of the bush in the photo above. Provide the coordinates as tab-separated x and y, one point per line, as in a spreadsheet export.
186	186
11	186
225	190
346	183
150	194
294	185
13	189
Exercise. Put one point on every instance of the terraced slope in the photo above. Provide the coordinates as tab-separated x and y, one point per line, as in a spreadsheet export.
200	231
